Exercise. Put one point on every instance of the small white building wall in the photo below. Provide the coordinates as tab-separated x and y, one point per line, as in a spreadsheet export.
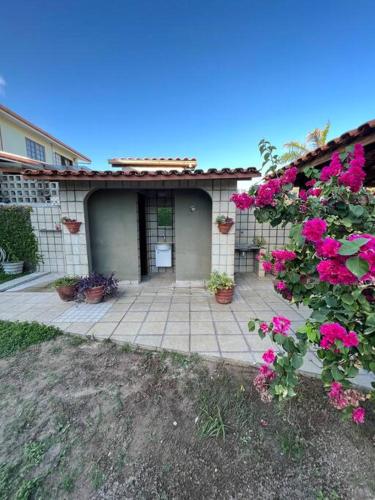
76	246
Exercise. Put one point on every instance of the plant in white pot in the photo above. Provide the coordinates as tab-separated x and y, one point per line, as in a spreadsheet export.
10	262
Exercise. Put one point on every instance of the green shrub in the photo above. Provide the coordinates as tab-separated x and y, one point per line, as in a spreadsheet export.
66	281
17	237
219	281
17	336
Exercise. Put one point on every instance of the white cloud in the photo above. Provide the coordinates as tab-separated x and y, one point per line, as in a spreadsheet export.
2	85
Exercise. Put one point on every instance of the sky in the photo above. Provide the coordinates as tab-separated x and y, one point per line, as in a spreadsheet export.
177	78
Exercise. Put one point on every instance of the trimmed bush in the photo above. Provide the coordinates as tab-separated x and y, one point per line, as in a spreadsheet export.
17	237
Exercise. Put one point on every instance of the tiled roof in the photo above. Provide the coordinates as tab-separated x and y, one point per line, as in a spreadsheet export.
343	140
20	118
154	162
131	175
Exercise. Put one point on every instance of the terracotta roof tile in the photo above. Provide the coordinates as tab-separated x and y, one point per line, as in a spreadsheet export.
132	175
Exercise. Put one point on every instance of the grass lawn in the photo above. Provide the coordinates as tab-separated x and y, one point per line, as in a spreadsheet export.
8	277
82	419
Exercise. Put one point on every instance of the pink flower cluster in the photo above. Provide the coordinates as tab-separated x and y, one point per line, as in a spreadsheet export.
331	332
333	170
341	399
333	270
242	200
283	255
313	229
269	356
262	382
279	324
354	176
265	195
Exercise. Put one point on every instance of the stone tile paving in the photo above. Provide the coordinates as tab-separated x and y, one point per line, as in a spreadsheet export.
160	314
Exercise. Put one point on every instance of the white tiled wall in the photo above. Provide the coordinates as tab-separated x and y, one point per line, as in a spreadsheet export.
72	195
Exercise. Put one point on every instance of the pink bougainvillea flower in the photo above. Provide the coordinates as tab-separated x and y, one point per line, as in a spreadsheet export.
242	200
311	183
283	255
350	340
269	356
289	176
354	177
281	285
314	229
279	267
336	390
303	194
358	415
266	193
281	324
331	332
267	266
333	169
329	247
314	192
264	327
333	271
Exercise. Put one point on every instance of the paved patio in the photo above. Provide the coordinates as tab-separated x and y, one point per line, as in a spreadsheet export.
160	314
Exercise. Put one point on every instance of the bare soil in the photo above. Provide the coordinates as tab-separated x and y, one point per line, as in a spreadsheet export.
85	420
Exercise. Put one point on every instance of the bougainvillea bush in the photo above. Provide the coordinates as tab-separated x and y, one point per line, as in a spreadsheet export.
329	266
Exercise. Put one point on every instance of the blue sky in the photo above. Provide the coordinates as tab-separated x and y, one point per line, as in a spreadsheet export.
188	78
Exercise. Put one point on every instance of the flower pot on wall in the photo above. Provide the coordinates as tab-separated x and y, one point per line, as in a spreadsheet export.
73	226
12	267
224	296
94	295
67	293
225	227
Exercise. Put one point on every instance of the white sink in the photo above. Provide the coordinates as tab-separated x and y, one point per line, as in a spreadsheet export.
163	246
163	255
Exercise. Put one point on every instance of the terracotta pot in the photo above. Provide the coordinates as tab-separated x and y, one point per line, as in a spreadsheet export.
225	227
224	296
73	226
94	295
66	293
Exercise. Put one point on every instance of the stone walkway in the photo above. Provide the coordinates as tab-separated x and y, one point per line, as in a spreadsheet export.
160	314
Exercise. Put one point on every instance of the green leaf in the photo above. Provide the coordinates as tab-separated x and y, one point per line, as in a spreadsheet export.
352	247
357	266
251	325
356	210
347	299
319	315
297	361
336	373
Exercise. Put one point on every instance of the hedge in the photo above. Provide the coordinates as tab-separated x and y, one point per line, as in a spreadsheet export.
17	237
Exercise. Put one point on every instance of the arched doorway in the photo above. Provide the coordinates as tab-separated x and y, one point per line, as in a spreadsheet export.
113	233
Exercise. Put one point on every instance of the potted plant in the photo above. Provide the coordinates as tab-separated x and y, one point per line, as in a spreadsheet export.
95	286
224	223
222	286
10	262
66	287
72	224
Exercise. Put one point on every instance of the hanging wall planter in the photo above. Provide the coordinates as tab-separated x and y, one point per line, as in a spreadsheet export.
71	224
224	224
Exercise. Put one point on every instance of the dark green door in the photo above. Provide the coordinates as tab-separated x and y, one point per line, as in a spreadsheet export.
113	232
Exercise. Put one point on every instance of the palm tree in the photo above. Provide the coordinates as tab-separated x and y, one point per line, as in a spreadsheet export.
314	139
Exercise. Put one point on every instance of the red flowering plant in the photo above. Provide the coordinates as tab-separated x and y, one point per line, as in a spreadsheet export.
329	266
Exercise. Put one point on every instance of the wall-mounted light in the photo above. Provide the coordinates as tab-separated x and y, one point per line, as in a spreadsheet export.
193	208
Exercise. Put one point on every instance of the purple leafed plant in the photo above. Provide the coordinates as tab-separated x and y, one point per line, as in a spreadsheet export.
93	280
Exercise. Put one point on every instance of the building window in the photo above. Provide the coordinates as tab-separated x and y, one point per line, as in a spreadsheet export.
35	151
62	160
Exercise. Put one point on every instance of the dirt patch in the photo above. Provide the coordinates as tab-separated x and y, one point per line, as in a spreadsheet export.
87	420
